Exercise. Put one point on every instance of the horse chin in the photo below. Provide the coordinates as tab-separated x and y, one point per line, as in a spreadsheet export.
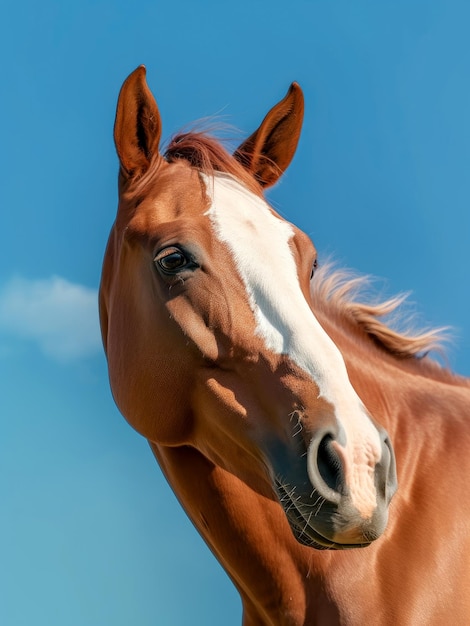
304	531
309	537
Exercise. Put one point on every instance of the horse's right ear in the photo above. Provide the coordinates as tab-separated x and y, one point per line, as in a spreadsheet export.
137	129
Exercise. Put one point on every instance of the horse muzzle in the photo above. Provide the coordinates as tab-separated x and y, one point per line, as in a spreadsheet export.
321	495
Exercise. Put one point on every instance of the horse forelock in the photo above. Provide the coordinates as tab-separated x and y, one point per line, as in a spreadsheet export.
207	153
201	150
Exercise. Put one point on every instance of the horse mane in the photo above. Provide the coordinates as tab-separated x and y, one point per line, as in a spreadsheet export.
339	290
345	299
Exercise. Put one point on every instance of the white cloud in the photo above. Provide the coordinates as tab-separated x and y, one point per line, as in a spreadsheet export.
62	317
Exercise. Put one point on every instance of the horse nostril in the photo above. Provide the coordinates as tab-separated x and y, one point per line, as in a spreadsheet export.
329	463
386	470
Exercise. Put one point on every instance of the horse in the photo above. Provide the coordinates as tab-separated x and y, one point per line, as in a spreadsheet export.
320	453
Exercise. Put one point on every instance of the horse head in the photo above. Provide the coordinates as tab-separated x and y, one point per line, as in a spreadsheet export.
209	330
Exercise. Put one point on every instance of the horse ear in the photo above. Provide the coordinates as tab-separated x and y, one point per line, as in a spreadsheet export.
137	128
269	150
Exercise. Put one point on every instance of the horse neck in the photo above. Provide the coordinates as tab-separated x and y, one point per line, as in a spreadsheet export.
280	581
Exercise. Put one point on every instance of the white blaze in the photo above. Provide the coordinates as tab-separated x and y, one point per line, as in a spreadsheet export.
259	244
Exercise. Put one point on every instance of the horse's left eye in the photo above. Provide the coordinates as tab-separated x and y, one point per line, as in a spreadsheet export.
314	267
171	260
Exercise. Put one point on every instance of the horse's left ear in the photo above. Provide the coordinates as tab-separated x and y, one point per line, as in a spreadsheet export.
269	150
137	129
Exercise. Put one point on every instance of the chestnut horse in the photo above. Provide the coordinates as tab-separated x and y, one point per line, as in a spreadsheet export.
275	402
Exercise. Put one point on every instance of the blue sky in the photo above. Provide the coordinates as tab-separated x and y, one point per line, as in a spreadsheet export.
90	533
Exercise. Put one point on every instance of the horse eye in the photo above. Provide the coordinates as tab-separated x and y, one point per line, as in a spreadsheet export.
171	260
314	267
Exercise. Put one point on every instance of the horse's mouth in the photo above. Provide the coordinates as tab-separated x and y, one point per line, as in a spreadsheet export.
299	518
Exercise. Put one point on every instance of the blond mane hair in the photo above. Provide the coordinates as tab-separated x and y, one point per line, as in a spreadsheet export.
350	302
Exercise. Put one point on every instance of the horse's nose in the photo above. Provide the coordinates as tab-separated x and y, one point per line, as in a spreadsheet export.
329	469
385	470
